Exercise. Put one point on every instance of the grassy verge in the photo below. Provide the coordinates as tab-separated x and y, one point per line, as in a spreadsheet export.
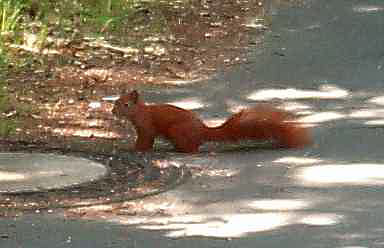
10	15
37	35
7	125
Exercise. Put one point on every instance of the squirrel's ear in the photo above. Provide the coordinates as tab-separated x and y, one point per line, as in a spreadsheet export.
135	96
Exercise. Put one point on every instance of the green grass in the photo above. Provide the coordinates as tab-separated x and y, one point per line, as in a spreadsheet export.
10	14
95	16
3	60
7	126
4	101
122	22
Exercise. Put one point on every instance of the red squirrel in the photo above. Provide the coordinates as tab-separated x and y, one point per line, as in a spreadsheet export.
187	132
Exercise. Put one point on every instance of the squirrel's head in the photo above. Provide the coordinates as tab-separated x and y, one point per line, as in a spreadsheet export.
125	102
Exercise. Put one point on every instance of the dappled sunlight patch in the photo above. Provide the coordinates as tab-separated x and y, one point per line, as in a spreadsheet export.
367	113
162	164
85	133
375	122
185	82
111	98
297	160
233	225
153	223
321	219
296	107
47	173
377	100
368	8
94	208
94	105
279	204
158	207
33	44
256	22
11	176
321	117
236	107
341	174
217	172
354	246
96	123
324	92
104	44
191	103
225	226
67	118
214	122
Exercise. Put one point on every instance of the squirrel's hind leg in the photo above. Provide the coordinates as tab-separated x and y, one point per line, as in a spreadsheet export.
144	141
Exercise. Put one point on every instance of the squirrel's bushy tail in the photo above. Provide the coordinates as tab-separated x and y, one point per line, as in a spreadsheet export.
293	135
261	124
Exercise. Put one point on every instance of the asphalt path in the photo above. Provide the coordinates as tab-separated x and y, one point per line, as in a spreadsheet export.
322	59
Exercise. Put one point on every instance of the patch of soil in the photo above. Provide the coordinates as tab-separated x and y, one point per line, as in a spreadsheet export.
58	107
62	104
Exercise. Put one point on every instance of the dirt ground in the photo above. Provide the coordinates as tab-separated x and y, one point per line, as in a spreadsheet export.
62	105
58	108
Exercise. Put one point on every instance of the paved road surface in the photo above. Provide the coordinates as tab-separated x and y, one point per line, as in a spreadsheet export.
324	60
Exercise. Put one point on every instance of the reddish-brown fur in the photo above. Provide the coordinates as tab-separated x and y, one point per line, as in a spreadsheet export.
187	132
